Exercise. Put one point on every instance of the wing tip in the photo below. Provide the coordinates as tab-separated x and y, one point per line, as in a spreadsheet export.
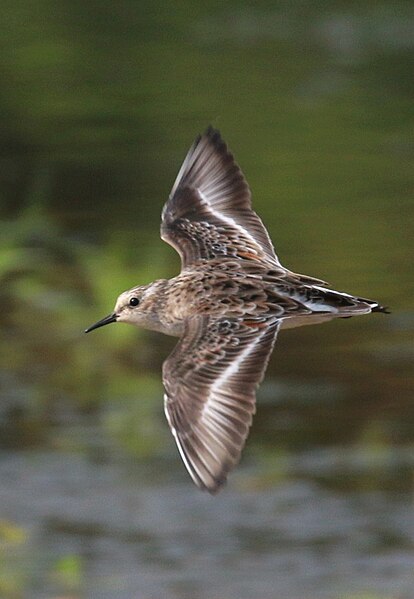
211	131
216	488
213	136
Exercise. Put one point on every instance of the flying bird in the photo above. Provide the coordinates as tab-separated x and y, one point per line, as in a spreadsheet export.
227	306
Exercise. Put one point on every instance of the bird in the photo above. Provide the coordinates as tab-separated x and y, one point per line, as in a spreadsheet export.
227	305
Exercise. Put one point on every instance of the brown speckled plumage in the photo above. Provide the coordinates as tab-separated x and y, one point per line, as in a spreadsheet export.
227	306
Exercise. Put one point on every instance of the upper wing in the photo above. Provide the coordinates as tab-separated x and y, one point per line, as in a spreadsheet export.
208	213
210	380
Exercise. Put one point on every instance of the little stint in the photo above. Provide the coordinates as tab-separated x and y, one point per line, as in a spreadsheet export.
227	305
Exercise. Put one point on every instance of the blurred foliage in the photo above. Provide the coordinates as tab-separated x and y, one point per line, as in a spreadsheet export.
98	105
68	571
13	540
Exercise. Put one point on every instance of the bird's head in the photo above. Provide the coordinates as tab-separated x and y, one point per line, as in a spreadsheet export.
136	306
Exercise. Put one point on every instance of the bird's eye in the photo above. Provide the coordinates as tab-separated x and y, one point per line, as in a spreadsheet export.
134	301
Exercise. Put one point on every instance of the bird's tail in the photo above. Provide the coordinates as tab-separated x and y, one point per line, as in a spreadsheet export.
343	304
376	307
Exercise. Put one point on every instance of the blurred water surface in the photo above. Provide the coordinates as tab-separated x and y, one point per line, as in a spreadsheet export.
98	105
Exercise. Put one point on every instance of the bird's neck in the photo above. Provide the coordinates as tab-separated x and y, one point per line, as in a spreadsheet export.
158	315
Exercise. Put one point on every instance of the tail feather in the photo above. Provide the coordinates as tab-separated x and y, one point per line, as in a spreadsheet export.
379	308
343	303
375	306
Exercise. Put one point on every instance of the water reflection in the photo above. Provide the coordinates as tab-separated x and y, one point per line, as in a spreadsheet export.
135	530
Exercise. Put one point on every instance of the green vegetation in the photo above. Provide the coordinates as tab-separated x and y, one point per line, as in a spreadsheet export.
98	107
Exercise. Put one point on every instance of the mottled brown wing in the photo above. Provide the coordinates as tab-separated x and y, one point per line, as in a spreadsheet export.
208	213
210	382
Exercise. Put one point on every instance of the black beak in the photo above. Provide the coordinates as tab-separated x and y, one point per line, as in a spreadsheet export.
101	323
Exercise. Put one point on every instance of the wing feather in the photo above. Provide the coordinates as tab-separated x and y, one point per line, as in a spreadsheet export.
209	213
210	381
